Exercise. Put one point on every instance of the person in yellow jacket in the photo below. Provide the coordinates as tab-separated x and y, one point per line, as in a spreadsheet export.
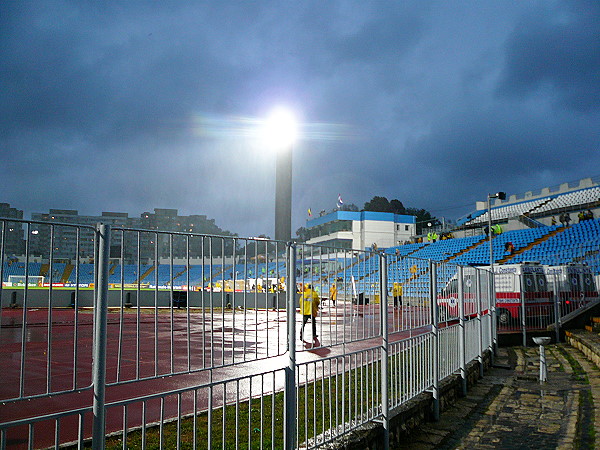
309	307
333	293
397	293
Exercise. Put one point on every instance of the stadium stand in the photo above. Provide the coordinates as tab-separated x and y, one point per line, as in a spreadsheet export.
553	245
507	212
405	250
519	238
577	243
581	198
567	197
439	251
539	240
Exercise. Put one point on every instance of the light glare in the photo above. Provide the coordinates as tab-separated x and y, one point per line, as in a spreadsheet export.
280	129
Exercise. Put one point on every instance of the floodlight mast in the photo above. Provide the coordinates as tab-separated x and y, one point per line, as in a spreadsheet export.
283	195
500	196
282	134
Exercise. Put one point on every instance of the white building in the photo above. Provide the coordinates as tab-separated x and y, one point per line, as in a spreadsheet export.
360	230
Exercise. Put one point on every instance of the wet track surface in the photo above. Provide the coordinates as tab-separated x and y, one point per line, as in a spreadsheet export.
148	353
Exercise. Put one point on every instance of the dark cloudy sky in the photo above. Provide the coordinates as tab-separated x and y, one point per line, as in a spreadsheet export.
128	106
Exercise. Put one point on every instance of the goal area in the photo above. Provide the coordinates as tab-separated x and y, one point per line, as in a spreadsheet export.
20	280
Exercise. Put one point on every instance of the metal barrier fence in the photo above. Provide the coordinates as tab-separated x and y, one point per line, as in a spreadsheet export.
543	297
163	338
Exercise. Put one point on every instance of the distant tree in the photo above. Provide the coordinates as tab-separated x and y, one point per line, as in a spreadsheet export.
303	234
423	216
382	204
350	207
378	204
397	207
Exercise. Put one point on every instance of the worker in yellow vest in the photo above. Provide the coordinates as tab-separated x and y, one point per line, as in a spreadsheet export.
309	307
397	293
333	293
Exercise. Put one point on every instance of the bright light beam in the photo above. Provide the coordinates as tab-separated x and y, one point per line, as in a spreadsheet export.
257	130
280	130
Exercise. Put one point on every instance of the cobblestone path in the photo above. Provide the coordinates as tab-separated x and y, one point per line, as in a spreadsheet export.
510	409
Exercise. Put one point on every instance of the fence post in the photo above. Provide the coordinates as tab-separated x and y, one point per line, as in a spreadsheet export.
494	319
383	302
479	323
99	350
289	426
461	331
435	319
523	322
557	318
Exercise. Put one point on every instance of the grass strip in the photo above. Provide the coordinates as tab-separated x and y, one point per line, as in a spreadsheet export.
322	404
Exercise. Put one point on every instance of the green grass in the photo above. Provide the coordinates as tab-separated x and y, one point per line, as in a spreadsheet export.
578	373
321	404
247	415
586	433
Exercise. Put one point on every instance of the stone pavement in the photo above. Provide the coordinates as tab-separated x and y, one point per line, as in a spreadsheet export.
510	409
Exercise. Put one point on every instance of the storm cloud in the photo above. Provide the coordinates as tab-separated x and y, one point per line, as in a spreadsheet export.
132	106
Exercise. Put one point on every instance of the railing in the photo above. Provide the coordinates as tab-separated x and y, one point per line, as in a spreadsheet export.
205	350
546	301
528	221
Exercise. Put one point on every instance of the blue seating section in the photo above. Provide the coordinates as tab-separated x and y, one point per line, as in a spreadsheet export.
519	238
441	250
405	250
86	274
578	243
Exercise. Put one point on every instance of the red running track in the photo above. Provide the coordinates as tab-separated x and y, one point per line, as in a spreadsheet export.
66	364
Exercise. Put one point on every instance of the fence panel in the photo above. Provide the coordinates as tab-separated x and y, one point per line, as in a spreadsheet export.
51	344
573	287
217	300
472	339
411	369
448	291
531	302
408	287
347	283
448	338
336	395
196	328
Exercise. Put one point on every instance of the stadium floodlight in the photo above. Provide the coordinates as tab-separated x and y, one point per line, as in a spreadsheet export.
281	133
281	130
499	196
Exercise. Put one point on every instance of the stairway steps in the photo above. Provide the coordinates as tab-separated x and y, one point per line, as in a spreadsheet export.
531	245
465	250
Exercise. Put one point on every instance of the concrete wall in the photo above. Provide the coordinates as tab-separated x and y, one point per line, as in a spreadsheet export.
383	233
38	298
368	227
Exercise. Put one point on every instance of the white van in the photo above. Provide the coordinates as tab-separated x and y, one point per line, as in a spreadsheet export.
572	283
514	283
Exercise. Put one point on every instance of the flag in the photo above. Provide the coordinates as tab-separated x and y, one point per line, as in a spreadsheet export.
340	202
309	212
